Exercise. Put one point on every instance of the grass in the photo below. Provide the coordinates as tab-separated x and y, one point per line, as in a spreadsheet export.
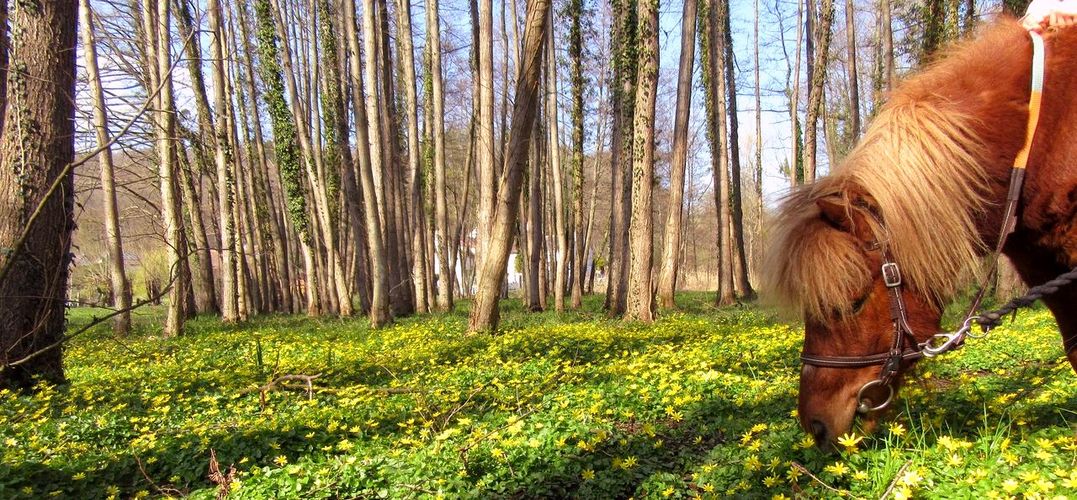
570	405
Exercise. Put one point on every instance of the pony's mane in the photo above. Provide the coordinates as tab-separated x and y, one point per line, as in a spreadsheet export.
921	165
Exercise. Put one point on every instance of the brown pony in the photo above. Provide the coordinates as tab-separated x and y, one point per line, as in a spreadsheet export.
926	188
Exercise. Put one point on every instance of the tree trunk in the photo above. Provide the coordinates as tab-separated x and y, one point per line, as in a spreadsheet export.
796	164
36	146
715	83
165	133
640	304
284	142
623	96
667	276
817	81
887	36
554	142
368	140
484	314
740	263
225	166
485	140
441	208
407	64
854	83
575	49
121	288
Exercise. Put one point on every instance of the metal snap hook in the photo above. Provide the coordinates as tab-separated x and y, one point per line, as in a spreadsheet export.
967	327
865	404
932	349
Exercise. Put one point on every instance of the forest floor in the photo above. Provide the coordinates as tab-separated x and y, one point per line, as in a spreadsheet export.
572	405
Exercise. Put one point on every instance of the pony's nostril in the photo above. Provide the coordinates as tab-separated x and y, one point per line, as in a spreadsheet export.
818	431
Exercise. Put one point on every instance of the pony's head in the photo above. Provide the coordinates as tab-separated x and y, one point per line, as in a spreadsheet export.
906	195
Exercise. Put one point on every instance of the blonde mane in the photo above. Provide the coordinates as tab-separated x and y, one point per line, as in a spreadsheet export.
922	166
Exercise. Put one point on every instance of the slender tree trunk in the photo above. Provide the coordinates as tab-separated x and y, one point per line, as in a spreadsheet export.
887	36
121	288
36	145
712	41
206	296
796	166
284	142
407	63
640	305
575	49
441	208
667	276
740	263
484	314
368	140
555	169
165	133
225	165
854	79
817	81
758	132
534	226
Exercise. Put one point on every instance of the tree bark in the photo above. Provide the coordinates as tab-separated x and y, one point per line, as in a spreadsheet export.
575	49
441	208
817	81
485	141
715	85
484	314
854	79
165	132
284	142
623	96
368	140
741	284
667	276
121	288
554	142
225	166
35	148
640	304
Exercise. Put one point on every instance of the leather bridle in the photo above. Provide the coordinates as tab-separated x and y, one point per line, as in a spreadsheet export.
903	346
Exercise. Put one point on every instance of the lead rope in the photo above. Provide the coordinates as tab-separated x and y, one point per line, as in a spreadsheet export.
992	319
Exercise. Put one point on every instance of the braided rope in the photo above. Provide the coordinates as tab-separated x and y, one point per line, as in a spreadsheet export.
989	320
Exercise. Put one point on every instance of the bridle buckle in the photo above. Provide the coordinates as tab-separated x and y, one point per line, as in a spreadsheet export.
891	275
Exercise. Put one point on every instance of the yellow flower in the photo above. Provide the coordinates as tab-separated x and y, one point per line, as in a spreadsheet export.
588	474
897	430
668	492
850	441
837	468
902	493
1010	485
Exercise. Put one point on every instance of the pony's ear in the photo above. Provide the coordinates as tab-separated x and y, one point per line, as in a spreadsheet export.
836	211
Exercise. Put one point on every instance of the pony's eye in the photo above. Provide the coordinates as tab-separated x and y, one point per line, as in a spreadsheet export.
859	303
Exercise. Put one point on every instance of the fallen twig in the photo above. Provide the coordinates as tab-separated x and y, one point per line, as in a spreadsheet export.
308	384
805	470
897	477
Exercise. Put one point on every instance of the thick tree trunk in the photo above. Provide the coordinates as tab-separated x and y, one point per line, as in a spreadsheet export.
36	146
485	140
484	314
624	96
121	288
640	305
671	248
